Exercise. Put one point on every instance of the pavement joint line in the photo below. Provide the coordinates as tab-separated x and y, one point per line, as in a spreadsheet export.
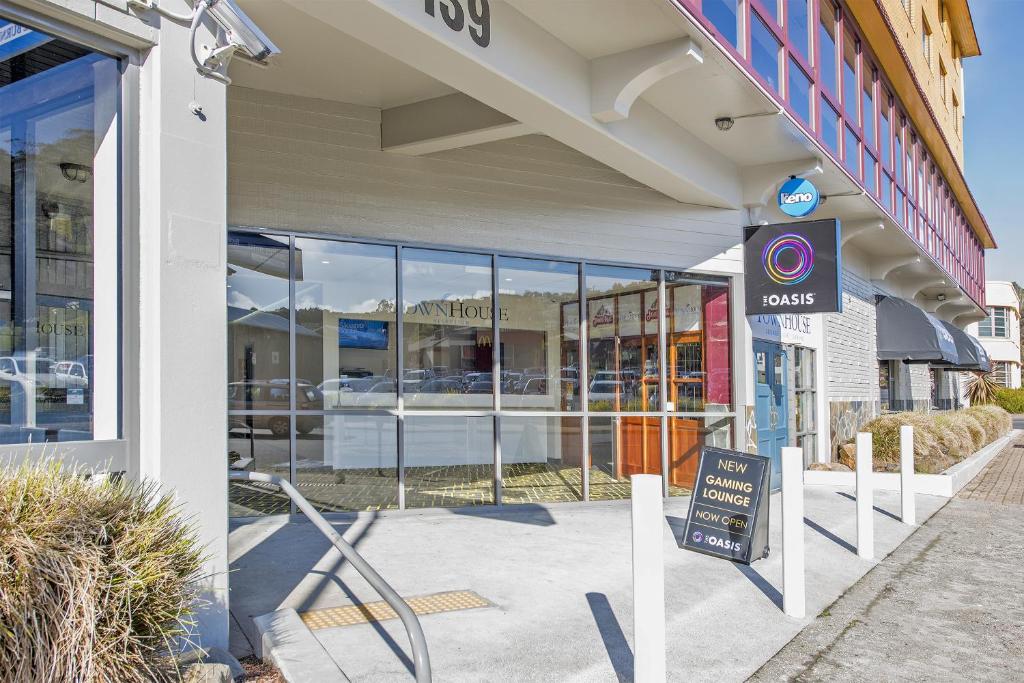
367	612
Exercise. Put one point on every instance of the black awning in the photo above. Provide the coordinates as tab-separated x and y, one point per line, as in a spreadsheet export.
907	333
971	354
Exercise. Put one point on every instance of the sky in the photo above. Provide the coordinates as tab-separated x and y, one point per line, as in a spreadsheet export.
994	138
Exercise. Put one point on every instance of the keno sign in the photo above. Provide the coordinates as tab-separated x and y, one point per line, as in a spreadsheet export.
792	268
798	197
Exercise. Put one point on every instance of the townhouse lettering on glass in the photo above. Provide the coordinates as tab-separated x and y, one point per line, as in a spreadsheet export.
474	15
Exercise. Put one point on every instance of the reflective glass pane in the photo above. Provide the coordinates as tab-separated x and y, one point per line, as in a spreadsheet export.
800	92
850	85
771	7
539	318
851	152
448	336
830	126
449	461
870	167
869	105
686	437
58	103
827	69
885	138
620	447
347	462
622	315
698	347
724	16
540	459
764	52
798	27
345	336
258	365
258	443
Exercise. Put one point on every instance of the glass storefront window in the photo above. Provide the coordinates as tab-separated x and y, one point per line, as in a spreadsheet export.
540	459
622	319
258	443
620	447
58	105
798	27
345	318
449	345
449	461
686	437
724	15
698	346
827	68
539	322
258	311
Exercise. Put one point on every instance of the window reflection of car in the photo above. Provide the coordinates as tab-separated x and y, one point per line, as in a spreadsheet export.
534	387
71	371
273	395
39	371
411	379
481	387
440	386
605	391
370	395
473	377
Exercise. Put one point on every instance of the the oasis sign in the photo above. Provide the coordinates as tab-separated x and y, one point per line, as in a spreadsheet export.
729	509
793	268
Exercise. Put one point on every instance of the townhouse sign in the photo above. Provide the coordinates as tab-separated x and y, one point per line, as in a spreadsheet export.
793	268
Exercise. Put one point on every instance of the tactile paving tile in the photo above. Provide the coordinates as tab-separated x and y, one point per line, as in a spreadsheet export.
351	615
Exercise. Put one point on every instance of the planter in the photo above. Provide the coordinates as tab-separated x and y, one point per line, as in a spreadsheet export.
947	484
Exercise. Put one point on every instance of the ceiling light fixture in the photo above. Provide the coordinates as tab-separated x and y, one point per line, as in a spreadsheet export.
724	123
75	172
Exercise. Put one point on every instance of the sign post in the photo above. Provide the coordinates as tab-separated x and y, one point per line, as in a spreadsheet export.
728	515
865	497
907	475
648	578
793	594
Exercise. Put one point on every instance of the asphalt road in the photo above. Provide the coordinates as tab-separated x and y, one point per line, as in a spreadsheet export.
947	605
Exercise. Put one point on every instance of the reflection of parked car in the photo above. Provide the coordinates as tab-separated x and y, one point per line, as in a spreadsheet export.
534	387
38	371
605	391
71	371
481	387
439	386
270	395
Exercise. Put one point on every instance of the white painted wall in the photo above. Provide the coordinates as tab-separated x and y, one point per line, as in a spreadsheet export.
1000	293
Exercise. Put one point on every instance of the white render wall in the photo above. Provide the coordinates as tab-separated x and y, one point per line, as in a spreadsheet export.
851	351
305	164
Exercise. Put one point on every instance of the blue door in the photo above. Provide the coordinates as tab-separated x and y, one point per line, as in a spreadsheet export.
771	408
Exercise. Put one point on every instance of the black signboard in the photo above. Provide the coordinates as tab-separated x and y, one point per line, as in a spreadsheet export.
729	510
793	268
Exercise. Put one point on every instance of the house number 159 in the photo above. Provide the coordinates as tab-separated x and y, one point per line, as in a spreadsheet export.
455	16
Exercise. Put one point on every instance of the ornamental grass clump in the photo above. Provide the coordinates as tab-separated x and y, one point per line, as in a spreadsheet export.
98	581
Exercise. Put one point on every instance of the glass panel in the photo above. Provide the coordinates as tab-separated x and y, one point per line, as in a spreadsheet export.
447	299
887	192
258	443
622	316
620	447
686	437
885	137
800	92
830	126
900	208
345	317
827	47
258	366
869	105
804	417
540	459
724	16
798	27
870	166
850	85
771	7
449	461
764	50
898	157
57	102
539	316
809	445
347	462
698	347
851	152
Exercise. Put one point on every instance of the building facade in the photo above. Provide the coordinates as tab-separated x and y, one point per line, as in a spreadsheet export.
465	252
999	332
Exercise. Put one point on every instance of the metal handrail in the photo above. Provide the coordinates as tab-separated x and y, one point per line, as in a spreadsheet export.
420	657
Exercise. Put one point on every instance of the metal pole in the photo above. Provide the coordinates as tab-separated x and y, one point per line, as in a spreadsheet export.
793	592
907	475
648	578
865	498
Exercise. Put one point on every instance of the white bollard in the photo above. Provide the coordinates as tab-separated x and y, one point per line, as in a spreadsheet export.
908	515
793	598
865	498
648	579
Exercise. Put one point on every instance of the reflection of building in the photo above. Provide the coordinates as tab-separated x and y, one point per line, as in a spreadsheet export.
999	332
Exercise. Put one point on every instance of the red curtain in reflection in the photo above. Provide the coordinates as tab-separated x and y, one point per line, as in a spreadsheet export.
716	350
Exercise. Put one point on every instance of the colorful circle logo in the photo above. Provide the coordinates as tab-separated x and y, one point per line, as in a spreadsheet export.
698	536
788	259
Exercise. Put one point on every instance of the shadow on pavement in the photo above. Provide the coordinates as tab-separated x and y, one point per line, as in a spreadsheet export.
829	535
877	509
525	513
615	642
761	583
678	527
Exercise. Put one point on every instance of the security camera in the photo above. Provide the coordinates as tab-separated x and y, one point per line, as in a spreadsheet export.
242	32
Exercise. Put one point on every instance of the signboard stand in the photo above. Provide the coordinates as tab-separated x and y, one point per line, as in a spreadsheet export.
728	515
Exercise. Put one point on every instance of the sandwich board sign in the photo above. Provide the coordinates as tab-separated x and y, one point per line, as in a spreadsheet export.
728	515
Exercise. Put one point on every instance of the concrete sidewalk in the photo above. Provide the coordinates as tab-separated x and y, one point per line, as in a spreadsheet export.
947	605
558	578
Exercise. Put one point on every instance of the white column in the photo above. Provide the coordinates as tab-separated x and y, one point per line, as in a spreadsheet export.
907	474
180	440
793	599
648	579
865	498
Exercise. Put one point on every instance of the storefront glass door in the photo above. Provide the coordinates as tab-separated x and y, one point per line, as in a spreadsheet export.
770	384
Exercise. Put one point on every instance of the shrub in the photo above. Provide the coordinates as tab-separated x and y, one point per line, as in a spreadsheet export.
981	388
885	439
1010	400
97	580
979	436
997	421
954	436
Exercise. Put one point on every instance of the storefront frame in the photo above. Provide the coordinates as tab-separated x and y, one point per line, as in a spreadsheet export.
495	412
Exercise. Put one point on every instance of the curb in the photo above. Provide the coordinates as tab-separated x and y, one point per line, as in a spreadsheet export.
286	641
